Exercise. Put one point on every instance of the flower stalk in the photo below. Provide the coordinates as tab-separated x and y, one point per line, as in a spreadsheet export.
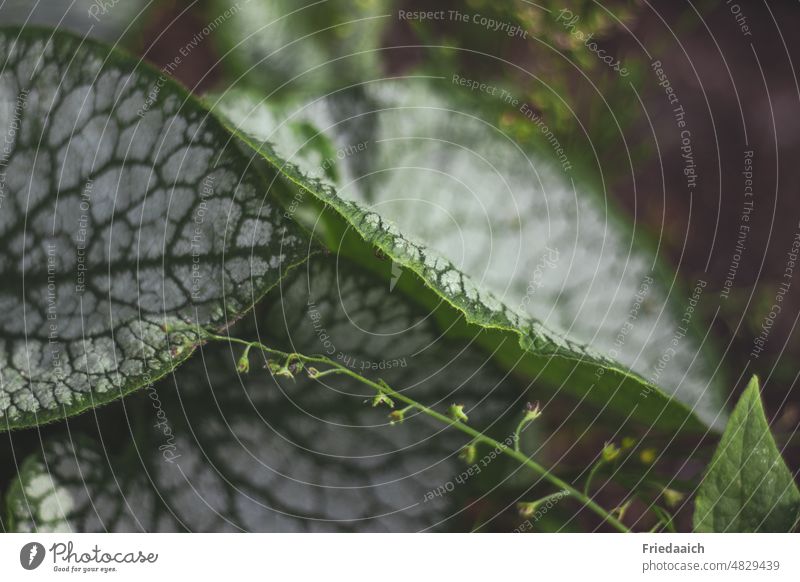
384	394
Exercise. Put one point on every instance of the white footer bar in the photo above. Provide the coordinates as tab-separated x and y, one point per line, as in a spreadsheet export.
396	557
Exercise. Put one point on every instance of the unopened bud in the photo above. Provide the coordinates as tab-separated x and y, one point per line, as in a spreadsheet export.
457	413
469	454
382	398
527	508
278	370
648	456
672	497
532	412
610	452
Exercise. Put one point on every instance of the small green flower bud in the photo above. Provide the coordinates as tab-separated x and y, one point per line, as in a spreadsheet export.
277	369
244	364
610	452
527	508
457	413
532	412
381	398
648	456
397	416
469	454
672	497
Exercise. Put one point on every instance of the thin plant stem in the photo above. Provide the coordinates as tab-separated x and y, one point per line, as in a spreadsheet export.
477	436
592	473
557	495
517	432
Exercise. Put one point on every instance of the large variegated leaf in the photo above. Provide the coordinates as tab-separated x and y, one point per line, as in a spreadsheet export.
481	209
139	270
123	206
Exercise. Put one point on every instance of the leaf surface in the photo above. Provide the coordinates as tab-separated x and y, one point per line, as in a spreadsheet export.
212	450
747	487
144	152
498	236
124	206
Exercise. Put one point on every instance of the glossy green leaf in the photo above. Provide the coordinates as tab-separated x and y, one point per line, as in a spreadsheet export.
124	207
747	487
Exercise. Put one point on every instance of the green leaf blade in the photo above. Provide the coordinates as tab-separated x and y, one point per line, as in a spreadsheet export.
748	487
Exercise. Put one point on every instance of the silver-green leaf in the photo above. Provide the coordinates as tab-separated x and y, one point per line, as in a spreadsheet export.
124	209
495	233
